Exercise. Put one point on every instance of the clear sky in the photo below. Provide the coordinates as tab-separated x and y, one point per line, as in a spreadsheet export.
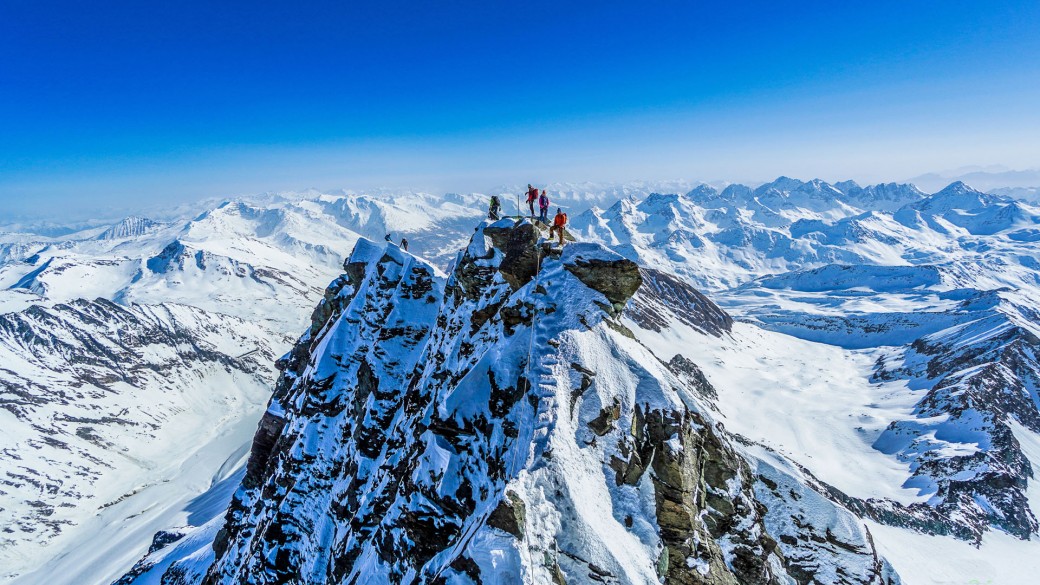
115	102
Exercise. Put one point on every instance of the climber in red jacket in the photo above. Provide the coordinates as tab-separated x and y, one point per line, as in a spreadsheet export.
558	223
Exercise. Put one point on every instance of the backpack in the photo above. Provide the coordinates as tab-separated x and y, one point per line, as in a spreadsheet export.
495	202
543	201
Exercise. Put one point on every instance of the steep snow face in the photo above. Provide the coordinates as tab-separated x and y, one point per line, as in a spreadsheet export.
102	405
504	426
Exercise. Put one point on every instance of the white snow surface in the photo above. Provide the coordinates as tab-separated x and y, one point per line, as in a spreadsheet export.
811	402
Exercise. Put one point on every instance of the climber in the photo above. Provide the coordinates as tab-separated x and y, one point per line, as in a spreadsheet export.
532	196
495	208
558	222
388	238
404	244
543	206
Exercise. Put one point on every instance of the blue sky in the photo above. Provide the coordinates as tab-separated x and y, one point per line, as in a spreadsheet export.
112	103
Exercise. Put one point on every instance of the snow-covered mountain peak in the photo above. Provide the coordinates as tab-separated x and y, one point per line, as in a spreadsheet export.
505	424
956	195
883	196
846	186
956	188
879	366
781	184
128	228
703	193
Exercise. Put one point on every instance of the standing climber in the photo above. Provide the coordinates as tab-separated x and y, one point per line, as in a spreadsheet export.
532	196
404	244
558	223
495	208
543	206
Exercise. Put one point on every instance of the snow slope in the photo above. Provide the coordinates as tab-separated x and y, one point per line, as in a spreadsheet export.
505	426
102	408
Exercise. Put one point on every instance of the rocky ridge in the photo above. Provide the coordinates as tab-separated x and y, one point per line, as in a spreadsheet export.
503	423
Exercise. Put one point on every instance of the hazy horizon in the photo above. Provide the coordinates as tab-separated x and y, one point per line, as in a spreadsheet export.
104	214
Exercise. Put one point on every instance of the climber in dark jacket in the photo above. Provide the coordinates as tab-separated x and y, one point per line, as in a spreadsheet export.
495	208
543	206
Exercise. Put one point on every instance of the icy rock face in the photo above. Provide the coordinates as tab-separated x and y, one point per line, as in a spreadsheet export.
507	430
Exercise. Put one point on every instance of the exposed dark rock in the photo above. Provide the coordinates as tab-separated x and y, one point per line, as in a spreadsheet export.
608	415
509	516
664	295
522	255
697	477
162	538
691	374
617	279
267	433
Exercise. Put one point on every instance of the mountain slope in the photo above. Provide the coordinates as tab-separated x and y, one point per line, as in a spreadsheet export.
102	402
247	272
929	301
882	357
509	427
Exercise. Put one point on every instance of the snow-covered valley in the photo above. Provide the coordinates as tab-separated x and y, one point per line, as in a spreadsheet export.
881	364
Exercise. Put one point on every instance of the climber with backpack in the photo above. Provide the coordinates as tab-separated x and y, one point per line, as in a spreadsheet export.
543	206
532	196
495	208
558	223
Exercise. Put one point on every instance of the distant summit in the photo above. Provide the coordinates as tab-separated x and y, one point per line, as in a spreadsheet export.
129	228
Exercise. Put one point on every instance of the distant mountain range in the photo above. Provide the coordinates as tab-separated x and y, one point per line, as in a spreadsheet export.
983	178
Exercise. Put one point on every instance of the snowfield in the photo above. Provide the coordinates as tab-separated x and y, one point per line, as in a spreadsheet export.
808	401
